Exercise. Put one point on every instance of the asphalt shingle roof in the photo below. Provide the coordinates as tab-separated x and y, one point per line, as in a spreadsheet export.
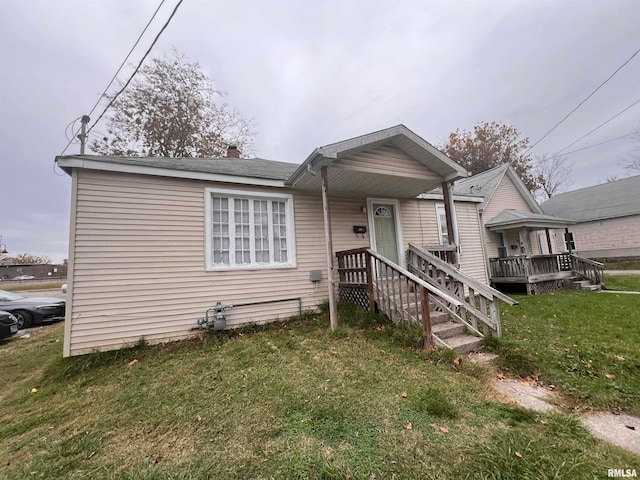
608	200
510	216
245	167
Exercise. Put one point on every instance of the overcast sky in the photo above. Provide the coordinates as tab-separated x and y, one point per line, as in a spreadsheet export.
315	72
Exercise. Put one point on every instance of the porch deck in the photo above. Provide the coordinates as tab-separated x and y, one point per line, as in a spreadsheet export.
542	273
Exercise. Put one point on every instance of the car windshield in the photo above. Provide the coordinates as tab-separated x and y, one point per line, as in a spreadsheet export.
8	296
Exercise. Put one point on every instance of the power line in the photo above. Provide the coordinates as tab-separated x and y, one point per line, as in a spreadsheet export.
628	137
583	101
126	58
599	126
139	65
73	137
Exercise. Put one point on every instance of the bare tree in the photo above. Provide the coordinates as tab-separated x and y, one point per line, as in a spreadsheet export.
632	166
173	109
553	175
28	259
490	145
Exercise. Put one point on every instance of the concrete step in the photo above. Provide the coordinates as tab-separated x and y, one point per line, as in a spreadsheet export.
448	329
464	343
436	317
582	283
593	288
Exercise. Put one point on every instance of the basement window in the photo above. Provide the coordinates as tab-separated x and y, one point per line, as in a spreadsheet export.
249	230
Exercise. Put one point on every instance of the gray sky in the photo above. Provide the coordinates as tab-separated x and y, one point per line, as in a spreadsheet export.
315	72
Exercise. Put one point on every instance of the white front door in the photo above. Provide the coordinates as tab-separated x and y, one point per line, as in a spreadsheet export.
384	230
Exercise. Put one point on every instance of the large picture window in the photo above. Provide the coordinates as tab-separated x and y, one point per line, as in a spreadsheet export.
249	230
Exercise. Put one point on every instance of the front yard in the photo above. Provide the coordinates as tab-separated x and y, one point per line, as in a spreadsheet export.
297	401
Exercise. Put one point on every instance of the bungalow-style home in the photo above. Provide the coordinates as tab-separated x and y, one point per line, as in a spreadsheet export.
522	244
161	247
606	219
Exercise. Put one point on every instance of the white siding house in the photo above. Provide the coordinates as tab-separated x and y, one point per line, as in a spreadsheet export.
155	242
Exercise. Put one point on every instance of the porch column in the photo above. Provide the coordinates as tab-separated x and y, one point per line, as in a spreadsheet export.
333	306
525	242
452	227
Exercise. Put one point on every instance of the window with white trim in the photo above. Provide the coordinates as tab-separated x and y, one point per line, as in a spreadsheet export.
249	230
441	217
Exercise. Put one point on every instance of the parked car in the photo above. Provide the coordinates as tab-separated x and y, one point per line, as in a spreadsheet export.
24	277
8	324
32	310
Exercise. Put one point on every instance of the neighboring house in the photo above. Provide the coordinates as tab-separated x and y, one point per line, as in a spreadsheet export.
522	243
606	216
156	242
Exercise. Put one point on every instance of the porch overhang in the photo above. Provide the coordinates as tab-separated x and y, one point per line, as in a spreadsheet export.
359	179
514	219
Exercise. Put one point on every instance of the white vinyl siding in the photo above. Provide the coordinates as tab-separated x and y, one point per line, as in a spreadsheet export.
248	230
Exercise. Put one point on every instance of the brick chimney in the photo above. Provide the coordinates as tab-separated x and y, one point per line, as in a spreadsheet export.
233	152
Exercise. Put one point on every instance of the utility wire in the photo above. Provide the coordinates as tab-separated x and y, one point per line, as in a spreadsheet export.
583	101
126	58
628	137
599	126
175	9
73	137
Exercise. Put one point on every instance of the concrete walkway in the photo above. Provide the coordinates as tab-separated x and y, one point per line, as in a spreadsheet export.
621	430
622	272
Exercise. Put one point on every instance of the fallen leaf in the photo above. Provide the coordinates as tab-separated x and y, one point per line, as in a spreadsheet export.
408	426
536	376
619	357
500	376
34	390
456	361
518	454
432	348
158	459
403	394
133	362
199	418
630	427
444	429
610	376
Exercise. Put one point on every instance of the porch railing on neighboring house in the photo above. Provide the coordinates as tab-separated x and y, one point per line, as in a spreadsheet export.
446	253
537	268
480	303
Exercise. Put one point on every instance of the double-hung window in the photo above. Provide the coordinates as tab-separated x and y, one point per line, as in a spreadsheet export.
249	230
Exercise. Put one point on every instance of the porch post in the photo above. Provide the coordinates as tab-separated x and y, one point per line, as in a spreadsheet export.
452	227
333	306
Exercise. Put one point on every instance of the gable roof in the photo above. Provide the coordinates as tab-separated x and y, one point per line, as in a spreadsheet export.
399	136
608	200
485	184
510	218
235	170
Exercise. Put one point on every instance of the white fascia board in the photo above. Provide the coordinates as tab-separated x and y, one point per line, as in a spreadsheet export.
166	172
457	198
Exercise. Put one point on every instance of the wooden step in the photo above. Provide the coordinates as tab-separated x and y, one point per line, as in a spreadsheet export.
464	343
448	329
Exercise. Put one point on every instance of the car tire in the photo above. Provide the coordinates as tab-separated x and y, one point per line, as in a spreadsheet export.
25	319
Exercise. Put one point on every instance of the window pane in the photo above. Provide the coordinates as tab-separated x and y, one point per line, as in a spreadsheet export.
220	231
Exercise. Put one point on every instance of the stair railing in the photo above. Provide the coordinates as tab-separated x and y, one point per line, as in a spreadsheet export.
480	303
399	294
586	268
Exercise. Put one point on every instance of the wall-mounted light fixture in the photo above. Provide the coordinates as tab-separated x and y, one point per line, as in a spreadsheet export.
363	209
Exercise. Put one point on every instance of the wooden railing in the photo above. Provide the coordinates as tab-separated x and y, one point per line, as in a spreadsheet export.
538	267
480	306
589	269
399	294
446	253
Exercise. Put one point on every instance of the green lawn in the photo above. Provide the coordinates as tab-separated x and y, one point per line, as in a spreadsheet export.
289	401
622	282
584	343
